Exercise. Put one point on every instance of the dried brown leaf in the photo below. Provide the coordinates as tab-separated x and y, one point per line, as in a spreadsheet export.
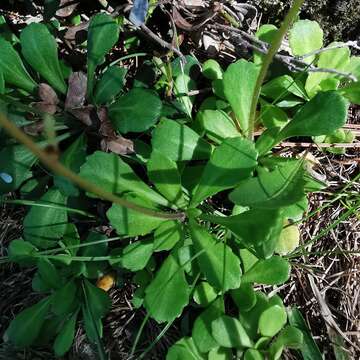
75	96
34	129
118	145
111	141
73	32
85	114
47	108
47	94
66	10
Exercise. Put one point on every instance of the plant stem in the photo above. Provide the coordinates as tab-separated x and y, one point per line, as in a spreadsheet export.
59	169
274	47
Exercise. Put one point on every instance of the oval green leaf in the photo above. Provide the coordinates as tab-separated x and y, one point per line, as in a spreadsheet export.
12	68
229	333
168	293
110	84
103	33
217	262
232	161
40	50
239	84
135	111
272	320
44	226
273	271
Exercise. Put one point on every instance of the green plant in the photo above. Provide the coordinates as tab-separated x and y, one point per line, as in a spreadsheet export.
182	252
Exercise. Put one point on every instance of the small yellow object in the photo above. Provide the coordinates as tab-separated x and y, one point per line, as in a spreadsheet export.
106	282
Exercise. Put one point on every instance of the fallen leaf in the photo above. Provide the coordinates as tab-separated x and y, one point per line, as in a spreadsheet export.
119	145
74	32
75	96
34	129
47	94
111	141
44	107
66	10
85	114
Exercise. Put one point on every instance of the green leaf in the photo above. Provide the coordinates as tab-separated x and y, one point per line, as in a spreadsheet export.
309	349
98	300
217	125
250	319
337	59
15	161
252	354
220	354
258	229
218	263
254	227
73	157
167	235
281	86
44	226
272	189
24	329
21	251
49	274
229	333
322	115
304	37
290	337
183	85
103	33
265	33
131	222
168	293
71	238
232	161
248	259
272	320
64	299
212	70
272	271
179	142
93	327
164	174
244	297
2	83
135	256
184	349
351	92
12	68
201	332
110	84
272	116
289	239
239	84
204	294
65	338
40	50
112	174
92	269
135	111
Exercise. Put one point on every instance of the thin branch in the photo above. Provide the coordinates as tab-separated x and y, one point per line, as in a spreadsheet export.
161	42
352	44
59	169
293	63
319	145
